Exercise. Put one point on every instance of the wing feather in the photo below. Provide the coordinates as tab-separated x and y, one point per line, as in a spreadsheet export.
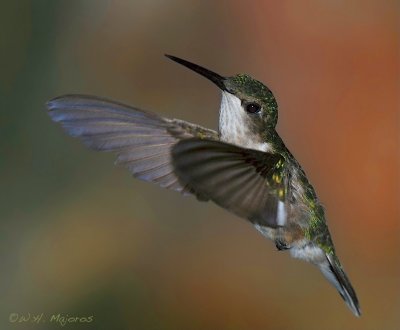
235	178
142	140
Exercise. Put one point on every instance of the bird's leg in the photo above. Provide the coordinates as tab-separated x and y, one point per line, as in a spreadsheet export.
287	236
280	240
281	244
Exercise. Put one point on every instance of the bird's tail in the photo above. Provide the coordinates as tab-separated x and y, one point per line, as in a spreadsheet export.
333	271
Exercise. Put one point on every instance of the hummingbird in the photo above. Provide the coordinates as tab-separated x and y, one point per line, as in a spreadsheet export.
244	168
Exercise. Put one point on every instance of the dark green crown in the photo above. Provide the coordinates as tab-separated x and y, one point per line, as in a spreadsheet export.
249	89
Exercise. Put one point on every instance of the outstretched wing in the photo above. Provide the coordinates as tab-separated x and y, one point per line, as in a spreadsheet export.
141	140
247	182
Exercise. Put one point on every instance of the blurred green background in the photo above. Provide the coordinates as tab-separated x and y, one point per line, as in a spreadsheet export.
80	237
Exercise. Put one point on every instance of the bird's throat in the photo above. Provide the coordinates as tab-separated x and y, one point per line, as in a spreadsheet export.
235	125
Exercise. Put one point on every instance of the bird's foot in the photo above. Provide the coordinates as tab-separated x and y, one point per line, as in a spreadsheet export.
281	245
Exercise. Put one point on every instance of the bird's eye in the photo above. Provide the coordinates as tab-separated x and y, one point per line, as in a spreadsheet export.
253	108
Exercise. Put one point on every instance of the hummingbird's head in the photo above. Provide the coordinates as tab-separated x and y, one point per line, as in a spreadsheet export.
248	107
256	99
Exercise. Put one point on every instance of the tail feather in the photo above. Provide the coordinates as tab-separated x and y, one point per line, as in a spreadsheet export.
333	271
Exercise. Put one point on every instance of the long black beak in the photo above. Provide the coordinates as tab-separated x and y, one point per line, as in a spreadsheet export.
214	77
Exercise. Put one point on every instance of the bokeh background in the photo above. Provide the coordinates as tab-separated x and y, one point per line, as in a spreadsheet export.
80	237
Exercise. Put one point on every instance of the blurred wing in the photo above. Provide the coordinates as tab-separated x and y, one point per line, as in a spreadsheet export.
242	181
142	140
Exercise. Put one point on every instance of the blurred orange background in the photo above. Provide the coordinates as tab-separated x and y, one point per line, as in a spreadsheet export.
80	237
